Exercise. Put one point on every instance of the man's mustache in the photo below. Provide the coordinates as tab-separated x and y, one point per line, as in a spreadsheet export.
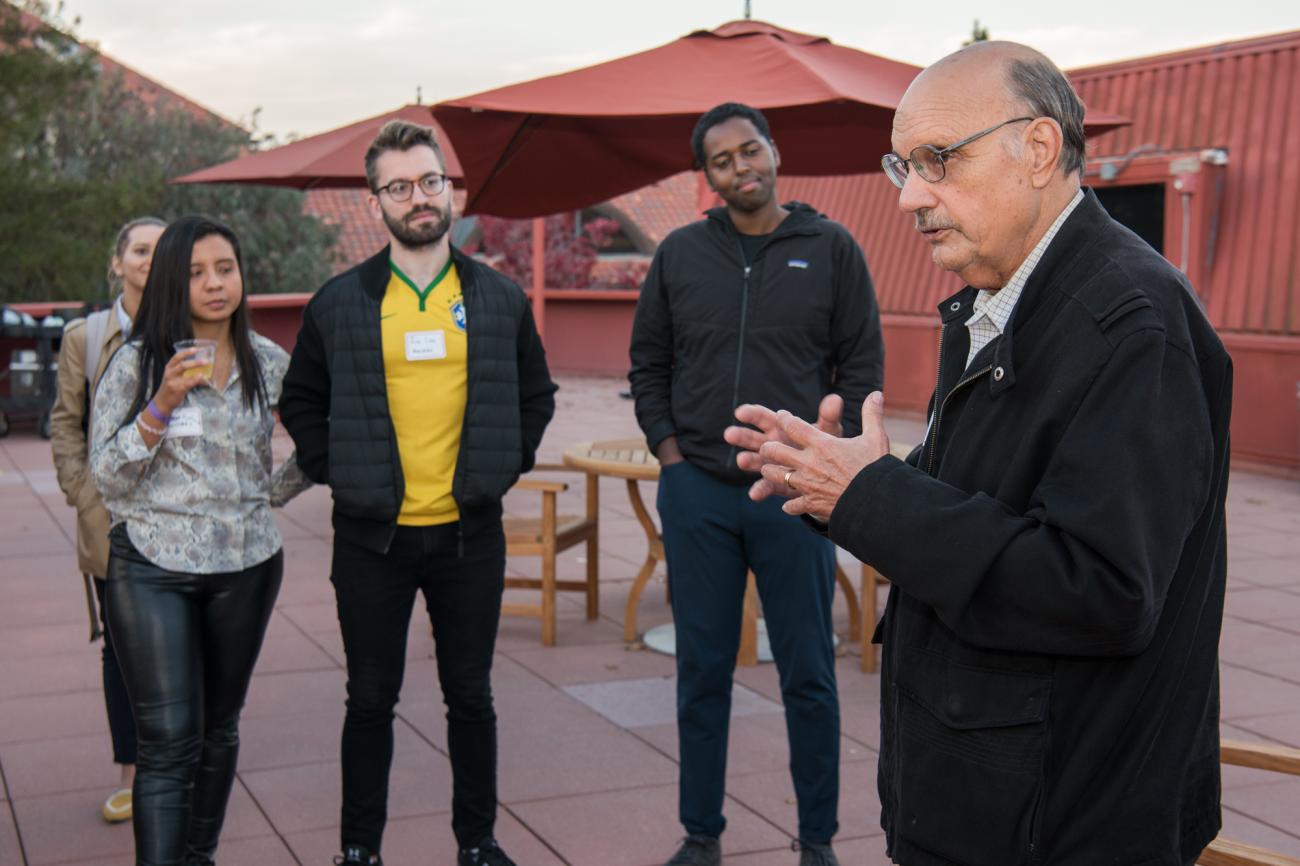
421	210
927	222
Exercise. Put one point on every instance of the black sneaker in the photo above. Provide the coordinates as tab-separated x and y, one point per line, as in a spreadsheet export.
357	854
814	854
697	850
487	853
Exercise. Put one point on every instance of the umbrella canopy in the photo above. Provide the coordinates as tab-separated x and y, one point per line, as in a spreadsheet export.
571	140
332	159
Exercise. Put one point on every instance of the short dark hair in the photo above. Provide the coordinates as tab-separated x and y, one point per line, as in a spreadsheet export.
399	135
1047	92
721	114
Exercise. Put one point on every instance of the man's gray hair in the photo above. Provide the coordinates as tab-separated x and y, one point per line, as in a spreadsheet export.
1045	90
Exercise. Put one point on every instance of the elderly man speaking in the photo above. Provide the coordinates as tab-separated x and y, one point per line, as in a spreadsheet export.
1056	545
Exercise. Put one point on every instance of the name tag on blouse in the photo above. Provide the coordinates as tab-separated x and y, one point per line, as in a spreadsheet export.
426	345
186	422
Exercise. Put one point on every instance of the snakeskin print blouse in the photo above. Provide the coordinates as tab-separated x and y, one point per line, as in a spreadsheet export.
199	501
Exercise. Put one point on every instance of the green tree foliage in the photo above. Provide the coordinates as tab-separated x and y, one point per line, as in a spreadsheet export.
81	153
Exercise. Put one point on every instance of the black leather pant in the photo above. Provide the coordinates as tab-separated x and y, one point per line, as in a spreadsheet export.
187	644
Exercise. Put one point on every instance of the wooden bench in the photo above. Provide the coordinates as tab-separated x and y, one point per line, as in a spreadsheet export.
1276	759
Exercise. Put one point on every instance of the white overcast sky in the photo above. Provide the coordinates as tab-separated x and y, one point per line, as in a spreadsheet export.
312	65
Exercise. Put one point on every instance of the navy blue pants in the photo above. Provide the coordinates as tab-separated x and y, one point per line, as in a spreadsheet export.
713	534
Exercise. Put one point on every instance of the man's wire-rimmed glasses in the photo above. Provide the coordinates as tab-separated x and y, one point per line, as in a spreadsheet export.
401	190
929	161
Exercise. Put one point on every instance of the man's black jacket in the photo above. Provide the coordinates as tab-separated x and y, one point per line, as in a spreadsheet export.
711	333
335	400
1057	551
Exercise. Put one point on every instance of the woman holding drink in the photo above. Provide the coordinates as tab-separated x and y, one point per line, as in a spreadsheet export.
182	457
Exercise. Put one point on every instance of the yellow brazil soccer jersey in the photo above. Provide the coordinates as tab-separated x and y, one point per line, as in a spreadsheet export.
425	352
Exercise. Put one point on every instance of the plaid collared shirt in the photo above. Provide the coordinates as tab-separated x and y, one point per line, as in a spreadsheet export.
992	310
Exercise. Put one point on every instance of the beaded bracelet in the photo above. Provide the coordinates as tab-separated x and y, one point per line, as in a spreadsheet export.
149	428
157	413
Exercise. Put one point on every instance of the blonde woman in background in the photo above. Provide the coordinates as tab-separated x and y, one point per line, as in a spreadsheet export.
87	345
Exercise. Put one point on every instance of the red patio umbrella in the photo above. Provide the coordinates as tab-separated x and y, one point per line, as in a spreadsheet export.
331	159
575	139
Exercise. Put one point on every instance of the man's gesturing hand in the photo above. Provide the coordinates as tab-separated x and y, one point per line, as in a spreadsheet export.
818	467
750	441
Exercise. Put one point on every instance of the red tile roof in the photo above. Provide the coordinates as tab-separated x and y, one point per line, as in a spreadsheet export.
661	207
360	234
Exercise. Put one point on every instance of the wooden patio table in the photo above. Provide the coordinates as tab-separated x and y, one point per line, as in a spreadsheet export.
630	460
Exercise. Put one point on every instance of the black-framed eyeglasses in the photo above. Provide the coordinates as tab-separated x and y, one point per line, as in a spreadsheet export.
929	160
401	190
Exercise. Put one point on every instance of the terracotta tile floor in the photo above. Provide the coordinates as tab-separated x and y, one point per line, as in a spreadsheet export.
577	787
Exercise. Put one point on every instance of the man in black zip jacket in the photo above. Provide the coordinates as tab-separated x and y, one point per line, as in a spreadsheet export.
1056	546
418	391
757	302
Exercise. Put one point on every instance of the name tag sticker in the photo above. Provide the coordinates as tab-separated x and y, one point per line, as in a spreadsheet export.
426	345
186	422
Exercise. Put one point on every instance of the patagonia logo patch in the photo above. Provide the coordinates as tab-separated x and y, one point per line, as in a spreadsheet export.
797	263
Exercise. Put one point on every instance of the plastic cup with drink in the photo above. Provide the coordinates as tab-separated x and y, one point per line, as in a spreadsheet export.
205	351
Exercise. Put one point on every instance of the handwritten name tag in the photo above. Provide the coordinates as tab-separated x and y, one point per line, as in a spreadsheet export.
426	345
186	422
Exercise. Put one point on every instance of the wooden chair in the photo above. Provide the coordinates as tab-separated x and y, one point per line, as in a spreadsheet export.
748	653
548	535
871	581
1278	759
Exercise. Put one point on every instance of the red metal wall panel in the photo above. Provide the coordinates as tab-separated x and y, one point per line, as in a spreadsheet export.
1243	97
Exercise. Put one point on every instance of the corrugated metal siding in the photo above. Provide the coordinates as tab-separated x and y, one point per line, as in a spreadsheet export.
1243	97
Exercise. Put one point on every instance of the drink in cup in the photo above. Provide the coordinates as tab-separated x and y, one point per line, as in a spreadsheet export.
205	351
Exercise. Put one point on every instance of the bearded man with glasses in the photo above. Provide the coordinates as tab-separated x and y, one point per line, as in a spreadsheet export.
1056	544
418	390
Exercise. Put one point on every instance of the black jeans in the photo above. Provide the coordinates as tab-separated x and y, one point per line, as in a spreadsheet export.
713	533
121	724
187	644
376	594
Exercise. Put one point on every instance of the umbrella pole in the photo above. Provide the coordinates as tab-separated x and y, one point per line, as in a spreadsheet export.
539	275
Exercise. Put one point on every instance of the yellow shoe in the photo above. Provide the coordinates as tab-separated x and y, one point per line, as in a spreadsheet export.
117	807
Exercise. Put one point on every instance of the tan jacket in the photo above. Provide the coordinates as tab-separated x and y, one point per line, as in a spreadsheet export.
69	435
